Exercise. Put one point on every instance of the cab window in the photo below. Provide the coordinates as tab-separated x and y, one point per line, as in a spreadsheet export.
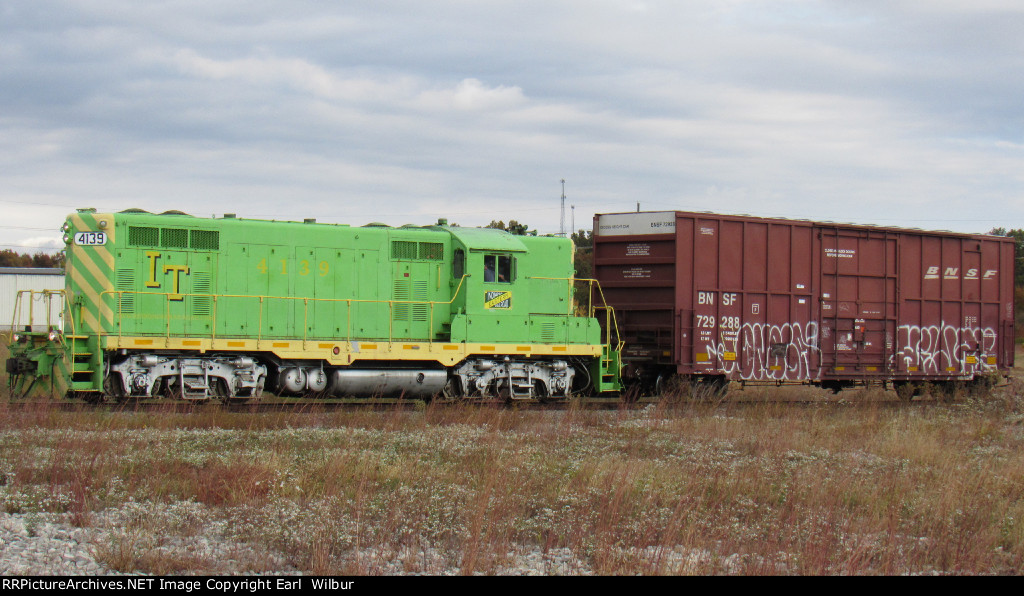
459	264
498	268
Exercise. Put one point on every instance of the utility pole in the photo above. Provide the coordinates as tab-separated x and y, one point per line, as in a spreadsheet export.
562	224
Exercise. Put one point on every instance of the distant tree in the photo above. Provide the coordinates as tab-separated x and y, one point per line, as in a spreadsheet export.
10	258
513	227
583	238
1018	253
42	259
584	258
1018	274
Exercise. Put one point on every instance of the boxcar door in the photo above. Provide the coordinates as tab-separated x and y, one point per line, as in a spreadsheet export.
858	302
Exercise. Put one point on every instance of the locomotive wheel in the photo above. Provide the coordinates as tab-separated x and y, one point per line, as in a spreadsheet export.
112	388
451	390
171	390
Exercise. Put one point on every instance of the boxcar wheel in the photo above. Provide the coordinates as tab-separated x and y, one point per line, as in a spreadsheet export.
906	390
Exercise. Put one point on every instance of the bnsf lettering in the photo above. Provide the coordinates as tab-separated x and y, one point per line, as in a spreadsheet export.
728	299
932	272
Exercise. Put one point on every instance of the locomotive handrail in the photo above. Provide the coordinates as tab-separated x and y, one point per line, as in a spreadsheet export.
613	338
67	322
180	297
46	295
572	280
610	320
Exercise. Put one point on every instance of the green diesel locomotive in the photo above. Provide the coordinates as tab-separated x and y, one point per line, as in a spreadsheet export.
176	306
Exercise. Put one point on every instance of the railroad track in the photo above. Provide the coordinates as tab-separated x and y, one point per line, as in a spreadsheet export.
299	405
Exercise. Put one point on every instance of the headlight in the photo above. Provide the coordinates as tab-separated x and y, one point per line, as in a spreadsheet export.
17	337
54	335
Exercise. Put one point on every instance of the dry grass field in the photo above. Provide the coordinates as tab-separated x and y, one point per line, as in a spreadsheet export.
858	486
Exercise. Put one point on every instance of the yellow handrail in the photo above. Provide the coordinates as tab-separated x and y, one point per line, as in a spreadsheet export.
306	301
610	320
45	295
613	338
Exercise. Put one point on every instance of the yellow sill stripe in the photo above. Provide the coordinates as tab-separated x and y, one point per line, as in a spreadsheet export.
349	352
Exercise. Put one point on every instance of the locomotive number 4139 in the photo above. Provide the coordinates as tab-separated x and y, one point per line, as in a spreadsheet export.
90	238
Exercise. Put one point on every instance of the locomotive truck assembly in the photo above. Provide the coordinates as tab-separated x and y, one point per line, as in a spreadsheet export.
190	308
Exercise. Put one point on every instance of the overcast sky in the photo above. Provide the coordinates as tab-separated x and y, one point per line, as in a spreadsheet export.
901	113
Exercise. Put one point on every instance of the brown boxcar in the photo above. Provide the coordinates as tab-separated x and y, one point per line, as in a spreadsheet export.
736	298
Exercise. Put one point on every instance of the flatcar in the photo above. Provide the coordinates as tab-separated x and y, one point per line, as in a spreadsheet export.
170	305
713	298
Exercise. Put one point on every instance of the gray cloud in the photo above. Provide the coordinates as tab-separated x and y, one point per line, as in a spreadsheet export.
898	113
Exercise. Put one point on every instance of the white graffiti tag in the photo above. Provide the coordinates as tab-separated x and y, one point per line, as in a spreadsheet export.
762	352
944	348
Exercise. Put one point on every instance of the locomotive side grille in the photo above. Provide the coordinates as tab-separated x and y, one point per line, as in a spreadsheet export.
420	312
141	236
400	310
547	331
204	240
173	238
431	251
126	283
405	311
201	302
403	250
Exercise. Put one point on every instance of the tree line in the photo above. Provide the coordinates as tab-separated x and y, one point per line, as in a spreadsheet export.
1018	275
10	258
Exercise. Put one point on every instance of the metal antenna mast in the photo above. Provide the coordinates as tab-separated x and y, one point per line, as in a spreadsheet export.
561	226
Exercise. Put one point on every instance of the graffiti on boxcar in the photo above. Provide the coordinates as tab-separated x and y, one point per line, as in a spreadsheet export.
935	348
764	352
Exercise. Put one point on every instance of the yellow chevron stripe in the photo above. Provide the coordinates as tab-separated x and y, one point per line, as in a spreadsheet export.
80	224
89	322
105	255
83	258
91	297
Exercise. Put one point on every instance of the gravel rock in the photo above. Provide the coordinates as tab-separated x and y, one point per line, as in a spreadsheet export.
30	544
47	544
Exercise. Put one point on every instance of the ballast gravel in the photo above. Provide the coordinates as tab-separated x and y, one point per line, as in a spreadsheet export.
48	544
